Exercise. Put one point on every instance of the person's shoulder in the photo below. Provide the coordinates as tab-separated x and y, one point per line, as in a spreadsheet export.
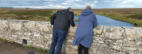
93	14
72	12
59	11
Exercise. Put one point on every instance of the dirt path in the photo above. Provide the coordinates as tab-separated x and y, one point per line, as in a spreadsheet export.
8	48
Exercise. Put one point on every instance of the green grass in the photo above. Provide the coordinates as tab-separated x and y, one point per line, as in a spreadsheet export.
25	14
2	39
76	20
122	17
133	16
130	15
37	49
27	47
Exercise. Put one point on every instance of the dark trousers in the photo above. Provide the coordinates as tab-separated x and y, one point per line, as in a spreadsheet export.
82	49
57	41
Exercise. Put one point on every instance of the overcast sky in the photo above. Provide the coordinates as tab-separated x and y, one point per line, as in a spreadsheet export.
71	3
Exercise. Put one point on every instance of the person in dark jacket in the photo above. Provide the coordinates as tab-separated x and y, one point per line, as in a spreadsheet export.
61	22
84	33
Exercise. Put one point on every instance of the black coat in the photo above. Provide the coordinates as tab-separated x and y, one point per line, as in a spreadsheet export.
62	20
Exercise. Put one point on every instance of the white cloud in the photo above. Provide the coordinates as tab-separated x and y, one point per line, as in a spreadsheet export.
64	3
71	3
93	3
132	1
57	6
43	7
129	4
17	0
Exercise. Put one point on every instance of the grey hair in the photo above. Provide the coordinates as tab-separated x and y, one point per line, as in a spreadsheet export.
88	7
70	9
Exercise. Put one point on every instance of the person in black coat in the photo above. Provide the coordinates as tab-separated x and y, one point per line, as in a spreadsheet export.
61	22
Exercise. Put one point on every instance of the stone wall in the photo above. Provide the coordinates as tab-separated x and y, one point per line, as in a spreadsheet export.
107	39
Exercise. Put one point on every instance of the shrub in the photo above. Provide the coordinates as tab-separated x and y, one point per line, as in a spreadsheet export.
76	20
137	16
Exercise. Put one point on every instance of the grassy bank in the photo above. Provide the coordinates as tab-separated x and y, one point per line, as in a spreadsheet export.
37	49
132	16
25	14
26	48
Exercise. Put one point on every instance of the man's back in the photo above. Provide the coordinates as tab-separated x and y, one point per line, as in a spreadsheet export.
62	20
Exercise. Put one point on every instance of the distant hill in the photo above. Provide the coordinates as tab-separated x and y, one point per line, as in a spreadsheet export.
6	7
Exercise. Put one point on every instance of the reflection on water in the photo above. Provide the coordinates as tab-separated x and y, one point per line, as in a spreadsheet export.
102	20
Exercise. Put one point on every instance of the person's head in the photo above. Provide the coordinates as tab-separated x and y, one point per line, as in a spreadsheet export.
70	9
88	7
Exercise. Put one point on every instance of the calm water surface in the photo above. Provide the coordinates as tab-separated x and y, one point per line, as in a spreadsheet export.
102	20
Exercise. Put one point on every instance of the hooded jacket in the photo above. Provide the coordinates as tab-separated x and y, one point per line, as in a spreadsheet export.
84	32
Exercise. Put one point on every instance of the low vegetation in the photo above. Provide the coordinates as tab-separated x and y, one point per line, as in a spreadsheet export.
131	15
37	49
76	20
25	14
40	50
2	39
